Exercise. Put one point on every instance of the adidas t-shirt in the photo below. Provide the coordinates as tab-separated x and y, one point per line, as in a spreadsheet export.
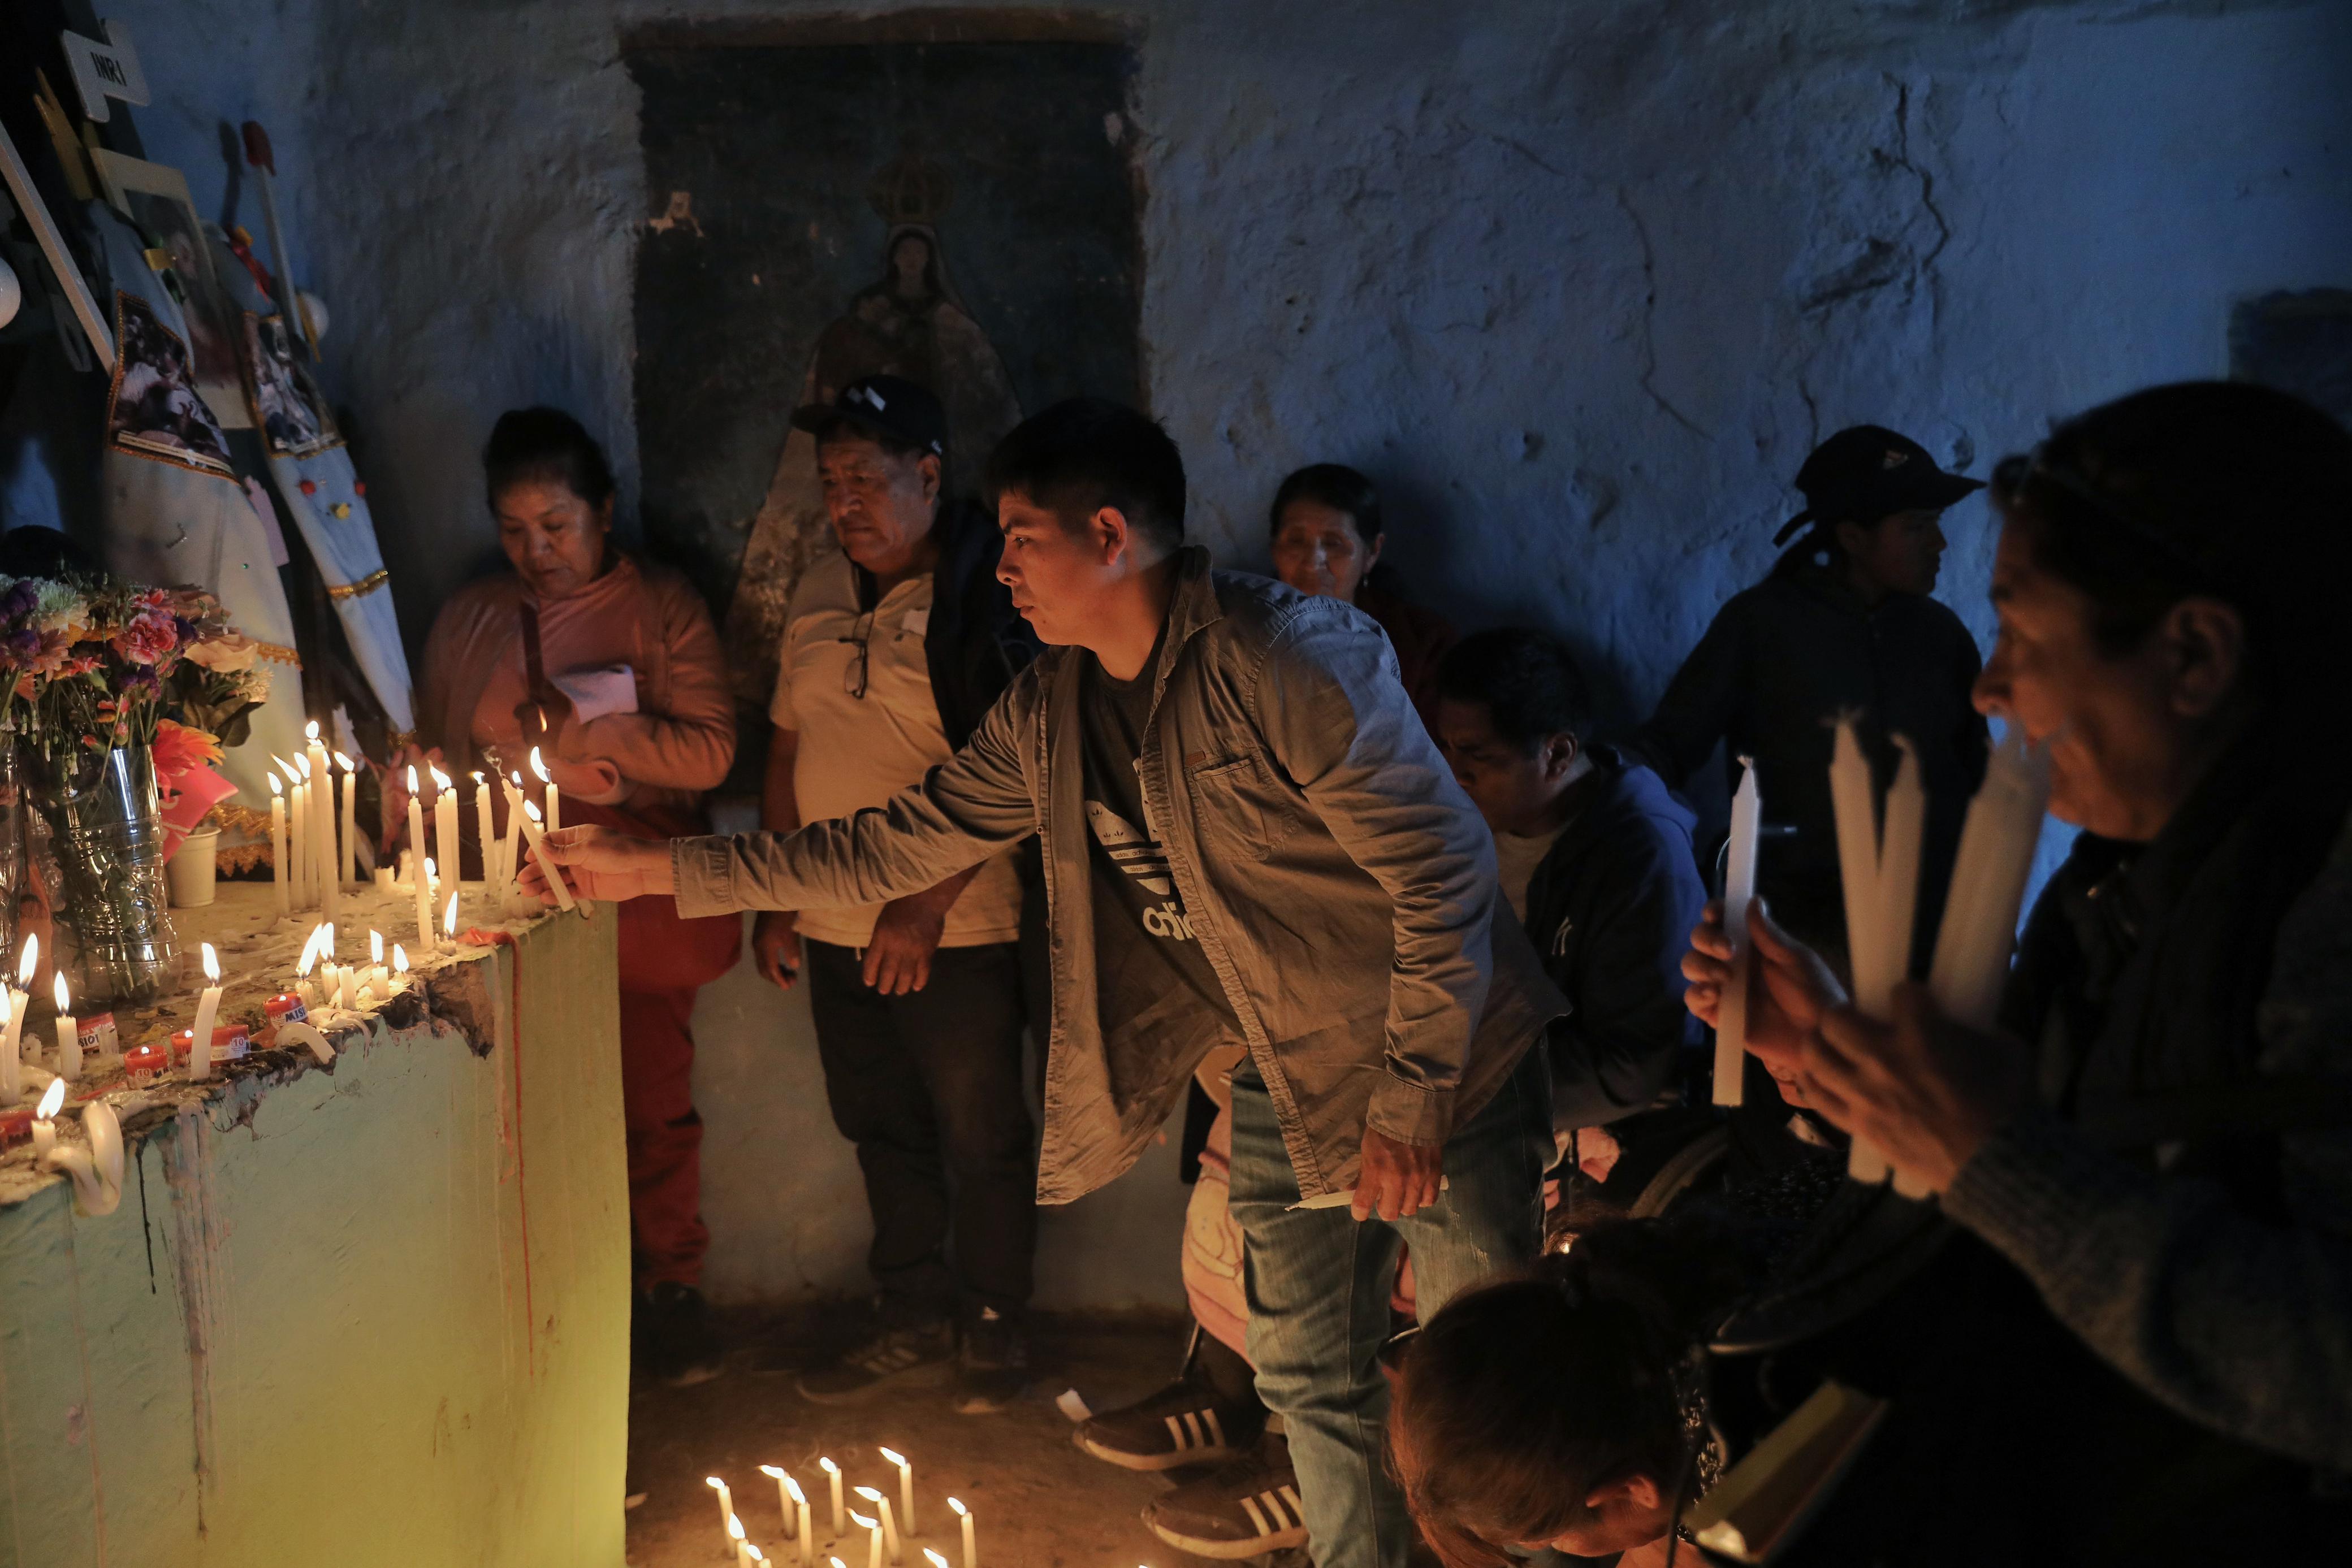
1144	946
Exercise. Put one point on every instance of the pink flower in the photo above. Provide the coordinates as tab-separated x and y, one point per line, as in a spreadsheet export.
146	637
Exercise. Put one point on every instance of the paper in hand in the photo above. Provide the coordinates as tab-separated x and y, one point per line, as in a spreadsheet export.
599	693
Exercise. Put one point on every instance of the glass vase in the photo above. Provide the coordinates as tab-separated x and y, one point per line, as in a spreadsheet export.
113	923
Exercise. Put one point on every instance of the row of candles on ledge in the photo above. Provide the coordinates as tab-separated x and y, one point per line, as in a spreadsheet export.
888	1533
311	864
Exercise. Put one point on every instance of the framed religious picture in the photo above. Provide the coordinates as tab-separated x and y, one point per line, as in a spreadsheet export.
155	198
154	411
293	416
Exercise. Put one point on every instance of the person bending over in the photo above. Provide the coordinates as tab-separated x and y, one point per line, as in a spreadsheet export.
2133	1341
1248	837
1563	1407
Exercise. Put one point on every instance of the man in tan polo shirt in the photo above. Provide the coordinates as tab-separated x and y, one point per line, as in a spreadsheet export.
892	651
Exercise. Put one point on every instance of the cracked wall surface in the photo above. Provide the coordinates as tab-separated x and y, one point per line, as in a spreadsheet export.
1578	284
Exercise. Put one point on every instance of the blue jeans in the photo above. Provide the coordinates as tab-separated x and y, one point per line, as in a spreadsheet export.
1318	1287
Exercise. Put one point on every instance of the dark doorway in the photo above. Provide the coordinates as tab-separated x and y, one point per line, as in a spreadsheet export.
835	199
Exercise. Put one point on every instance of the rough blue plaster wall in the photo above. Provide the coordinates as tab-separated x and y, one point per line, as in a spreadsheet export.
1578	283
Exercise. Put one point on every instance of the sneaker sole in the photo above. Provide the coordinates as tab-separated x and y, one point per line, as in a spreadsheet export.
1227	1550
1154	1463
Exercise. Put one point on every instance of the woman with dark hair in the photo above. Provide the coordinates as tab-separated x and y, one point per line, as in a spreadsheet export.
611	668
1328	536
2126	1334
1562	1407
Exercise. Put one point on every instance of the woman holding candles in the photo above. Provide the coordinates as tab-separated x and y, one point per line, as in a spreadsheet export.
2134	1339
612	668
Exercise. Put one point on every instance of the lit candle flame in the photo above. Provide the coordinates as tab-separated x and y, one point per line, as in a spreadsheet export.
64	1005
894	1457
276	789
539	768
793	1487
734	1528
375	946
345	763
29	962
309	956
714	1482
53	1101
863	1522
869	1494
934	1558
285	767
8	1005
312	729
399	959
828	1467
960	1510
432	872
211	965
530	809
478	777
306	767
412	778
449	918
440	780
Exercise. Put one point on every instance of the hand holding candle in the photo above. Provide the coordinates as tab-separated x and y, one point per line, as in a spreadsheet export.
547	866
1738	892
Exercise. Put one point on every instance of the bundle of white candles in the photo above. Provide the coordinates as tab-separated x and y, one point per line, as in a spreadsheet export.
890	1529
309	859
1879	868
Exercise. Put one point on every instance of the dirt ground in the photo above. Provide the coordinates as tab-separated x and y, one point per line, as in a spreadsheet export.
1038	1502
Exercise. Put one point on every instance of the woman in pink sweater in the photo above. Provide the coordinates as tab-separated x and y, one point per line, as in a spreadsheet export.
612	668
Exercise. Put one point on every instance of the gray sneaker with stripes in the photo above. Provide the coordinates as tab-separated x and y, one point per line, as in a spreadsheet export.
1243	1510
1183	1423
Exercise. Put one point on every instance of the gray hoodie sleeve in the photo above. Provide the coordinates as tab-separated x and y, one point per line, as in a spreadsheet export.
2241	1324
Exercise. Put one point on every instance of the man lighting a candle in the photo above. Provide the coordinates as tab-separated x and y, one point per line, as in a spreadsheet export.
1249	835
2134	1340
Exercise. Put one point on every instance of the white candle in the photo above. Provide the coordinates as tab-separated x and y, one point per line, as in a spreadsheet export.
834	1471
297	864
487	831
783	1499
200	1039
1882	889
547	866
278	843
555	795
69	1035
970	1550
881	1506
20	995
1738	892
1997	843
511	854
906	1490
12	1087
873	1539
320	784
726	1506
351	864
445	825
800	1530
416	853
376	975
45	1118
737	1541
347	986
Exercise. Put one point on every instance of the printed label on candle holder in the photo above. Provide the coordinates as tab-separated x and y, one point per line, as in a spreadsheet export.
97	1034
230	1041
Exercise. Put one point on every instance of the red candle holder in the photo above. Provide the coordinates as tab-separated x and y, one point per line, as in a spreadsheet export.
16	1126
147	1060
286	1007
230	1041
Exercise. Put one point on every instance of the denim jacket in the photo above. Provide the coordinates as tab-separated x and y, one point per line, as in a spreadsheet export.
1340	883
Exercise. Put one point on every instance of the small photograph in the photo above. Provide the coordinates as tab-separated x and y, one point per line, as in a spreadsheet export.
154	197
156	411
286	401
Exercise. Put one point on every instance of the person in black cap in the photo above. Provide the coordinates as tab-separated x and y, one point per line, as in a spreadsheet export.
892	651
1842	624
